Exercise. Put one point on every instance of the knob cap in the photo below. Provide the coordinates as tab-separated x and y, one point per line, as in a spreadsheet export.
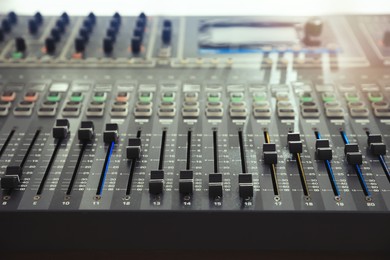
79	44
114	24
55	34
32	26
139	32
60	25
386	39
6	25
92	18
140	23
12	17
108	45
83	33
111	33
20	44
87	24
136	45
38	18
50	45
117	16
65	18
166	35
167	23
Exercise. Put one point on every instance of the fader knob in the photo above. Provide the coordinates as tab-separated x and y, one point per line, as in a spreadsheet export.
20	44
313	27
61	129
38	18
50	45
386	39
111	133
32	26
12	17
11	178
114	24
138	32
108	45
86	131
79	44
117	16
136	45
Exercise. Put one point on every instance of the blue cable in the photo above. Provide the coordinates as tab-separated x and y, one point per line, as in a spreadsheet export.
106	166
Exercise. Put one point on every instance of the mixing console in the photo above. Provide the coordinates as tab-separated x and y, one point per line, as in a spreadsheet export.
194	132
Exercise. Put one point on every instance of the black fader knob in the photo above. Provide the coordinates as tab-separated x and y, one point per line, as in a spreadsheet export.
60	25
65	18
1	35
20	44
86	131
313	27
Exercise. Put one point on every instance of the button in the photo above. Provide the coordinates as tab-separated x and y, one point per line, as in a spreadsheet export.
8	96
168	97
352	96
214	112
334	112
54	96
306	97
328	97
380	104
355	158
142	112
5	104
382	112
61	129
259	96
167	104
186	182
282	96
141	104
100	96
77	96
3	111
240	105
356	104
262	113
284	104
46	111
238	113
120	104
86	131
190	112
31	96
22	111
287	113
26	104
166	112
145	96
261	104
122	96
310	112
334	104
73	104
191	96
359	112
120	112
213	97
375	96
236	97
133	149
71	111
190	104
97	104
95	111
51	104
214	105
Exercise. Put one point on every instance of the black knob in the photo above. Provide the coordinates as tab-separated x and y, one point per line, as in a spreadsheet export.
65	18
12	17
166	35
313	27
114	24
92	18
135	45
167	23
6	25
84	33
111	33
108	45
32	26
143	17
117	16
87	24
20	44
38	18
139	32
50	45
55	34
140	23
79	44
1	35
60	25
386	39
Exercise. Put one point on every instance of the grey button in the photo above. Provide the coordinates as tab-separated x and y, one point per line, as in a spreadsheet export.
190	104
309	104
141	104
359	112
96	104
71	111
191	97
287	113
95	111
214	105
51	104
167	105
356	104
22	111
5	104
120	104
380	104
214	112
120	112
142	112
73	104
238	113
3	111
262	112
310	112
261	104
46	111
190	112
334	112
166	112
382	112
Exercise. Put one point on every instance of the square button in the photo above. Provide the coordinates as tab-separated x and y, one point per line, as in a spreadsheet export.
122	97
31	96
54	96
77	97
145	96
100	96
8	96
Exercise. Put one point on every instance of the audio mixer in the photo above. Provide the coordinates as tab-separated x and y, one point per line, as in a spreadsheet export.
194	132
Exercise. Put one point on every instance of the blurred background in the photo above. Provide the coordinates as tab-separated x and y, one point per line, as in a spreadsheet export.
198	7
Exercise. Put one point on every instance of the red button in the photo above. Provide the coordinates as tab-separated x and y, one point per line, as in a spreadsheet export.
31	96
122	97
8	96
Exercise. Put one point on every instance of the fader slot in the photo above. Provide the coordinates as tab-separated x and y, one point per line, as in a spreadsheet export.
76	169
378	148
9	137
135	149
156	183
186	182
215	152
353	156
189	141
242	152
270	157
215	179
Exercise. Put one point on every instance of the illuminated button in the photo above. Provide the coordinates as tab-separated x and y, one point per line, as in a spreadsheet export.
22	111
31	96
191	97
214	112
286	113
50	104
100	96
26	104
214	97
238	113
310	112
334	112
46	111
375	96
120	104
190	104
54	96
328	97
96	104
356	104
168	97
95	112
73	104
145	96
262	112
142	112
3	111
71	111
76	96
190	112
166	112
382	112
141	104
380	104
352	96
5	104
8	96
119	112
122	96
259	96
167	104
214	105
17	55
306	97
359	112
236	97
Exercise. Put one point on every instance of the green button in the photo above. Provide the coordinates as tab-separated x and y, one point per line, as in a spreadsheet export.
214	97
145	96
168	97
100	96
306	97
54	96
17	55
352	96
259	96
328	97
375	96
76	96
236	97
